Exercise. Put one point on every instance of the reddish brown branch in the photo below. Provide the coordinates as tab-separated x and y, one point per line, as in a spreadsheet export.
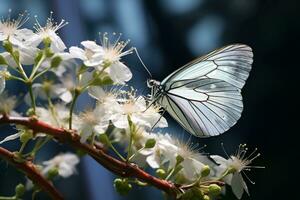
31	172
114	165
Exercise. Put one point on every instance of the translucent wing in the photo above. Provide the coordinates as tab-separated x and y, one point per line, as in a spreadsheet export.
204	107
231	64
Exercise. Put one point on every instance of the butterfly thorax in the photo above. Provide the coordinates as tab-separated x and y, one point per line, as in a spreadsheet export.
157	89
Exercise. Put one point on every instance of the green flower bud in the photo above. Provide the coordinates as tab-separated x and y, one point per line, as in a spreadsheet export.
26	135
214	189
8	46
193	194
150	143
205	197
20	190
122	186
30	112
53	172
205	171
161	173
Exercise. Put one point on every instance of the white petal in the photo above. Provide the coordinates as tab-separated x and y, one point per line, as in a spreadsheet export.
57	45
153	161
119	73
10	137
237	185
120	121
77	52
91	45
66	96
96	92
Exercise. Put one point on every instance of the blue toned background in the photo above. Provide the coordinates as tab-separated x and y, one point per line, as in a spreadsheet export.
170	33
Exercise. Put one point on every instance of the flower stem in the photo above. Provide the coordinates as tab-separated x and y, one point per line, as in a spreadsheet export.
76	95
33	105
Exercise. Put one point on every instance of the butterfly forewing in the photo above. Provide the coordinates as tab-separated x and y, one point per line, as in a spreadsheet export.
231	64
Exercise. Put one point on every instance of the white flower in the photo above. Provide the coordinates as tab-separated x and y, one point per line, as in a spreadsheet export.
65	164
105	57
87	54
57	116
48	32
91	122
236	165
10	29
47	89
122	104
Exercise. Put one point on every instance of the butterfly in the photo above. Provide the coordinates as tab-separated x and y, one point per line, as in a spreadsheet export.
204	96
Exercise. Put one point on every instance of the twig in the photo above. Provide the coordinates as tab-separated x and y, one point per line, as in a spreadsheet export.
120	168
31	172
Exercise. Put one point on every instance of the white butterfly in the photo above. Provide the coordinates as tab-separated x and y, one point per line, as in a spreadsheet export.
204	96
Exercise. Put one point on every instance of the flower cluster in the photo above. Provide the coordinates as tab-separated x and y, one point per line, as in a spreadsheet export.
56	76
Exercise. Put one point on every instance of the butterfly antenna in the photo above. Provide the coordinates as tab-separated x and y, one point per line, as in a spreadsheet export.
139	57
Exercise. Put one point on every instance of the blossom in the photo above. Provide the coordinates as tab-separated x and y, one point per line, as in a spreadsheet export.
47	89
65	164
87	55
48	32
234	167
121	104
58	115
105	57
91	122
10	29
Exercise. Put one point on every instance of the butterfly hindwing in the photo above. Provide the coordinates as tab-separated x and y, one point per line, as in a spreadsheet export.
204	107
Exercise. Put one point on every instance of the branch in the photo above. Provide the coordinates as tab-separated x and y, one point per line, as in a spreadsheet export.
114	165
31	172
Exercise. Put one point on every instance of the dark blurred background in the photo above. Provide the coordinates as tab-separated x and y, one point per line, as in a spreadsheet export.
170	33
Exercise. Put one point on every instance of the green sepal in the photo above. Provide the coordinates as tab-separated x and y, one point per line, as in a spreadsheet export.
56	61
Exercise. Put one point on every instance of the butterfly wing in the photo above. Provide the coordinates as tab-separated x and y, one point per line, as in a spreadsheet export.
204	107
231	64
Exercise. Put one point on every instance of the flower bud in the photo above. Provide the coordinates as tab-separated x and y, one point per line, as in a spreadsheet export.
214	189
122	186
150	143
206	197
26	135
30	112
161	173
53	172
205	171
20	190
